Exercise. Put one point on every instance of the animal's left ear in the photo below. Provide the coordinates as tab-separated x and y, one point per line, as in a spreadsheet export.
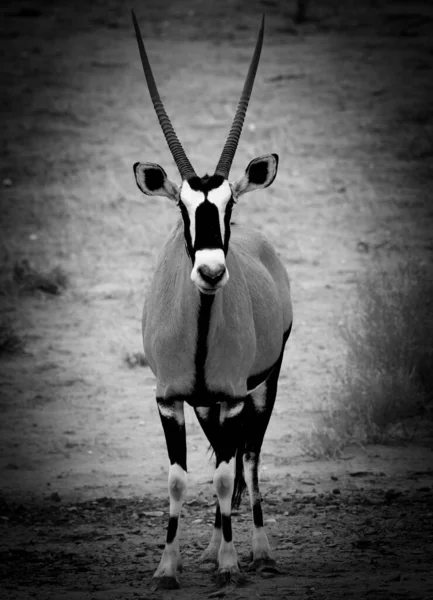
260	173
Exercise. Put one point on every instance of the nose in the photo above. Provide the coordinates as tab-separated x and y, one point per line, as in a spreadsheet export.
211	276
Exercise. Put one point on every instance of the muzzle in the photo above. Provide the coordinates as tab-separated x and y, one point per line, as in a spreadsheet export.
209	273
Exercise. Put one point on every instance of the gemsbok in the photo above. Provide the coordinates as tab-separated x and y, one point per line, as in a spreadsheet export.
215	323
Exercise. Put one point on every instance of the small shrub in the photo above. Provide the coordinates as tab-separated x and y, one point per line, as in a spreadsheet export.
10	342
28	279
137	359
388	374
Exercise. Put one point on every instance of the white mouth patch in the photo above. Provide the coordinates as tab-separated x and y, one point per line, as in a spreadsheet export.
214	260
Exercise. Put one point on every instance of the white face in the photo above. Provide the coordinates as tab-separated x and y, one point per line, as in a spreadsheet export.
206	230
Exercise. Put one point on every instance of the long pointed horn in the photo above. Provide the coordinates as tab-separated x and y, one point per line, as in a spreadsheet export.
228	153
185	168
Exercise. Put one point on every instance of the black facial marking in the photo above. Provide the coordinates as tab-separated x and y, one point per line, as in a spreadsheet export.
187	231
172	529
258	172
227	527
207	227
154	179
205	184
227	217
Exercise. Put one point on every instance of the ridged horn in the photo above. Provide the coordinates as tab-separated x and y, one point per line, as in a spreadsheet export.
228	153
185	168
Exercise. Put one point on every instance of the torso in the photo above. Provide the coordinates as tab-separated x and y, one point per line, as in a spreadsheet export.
207	350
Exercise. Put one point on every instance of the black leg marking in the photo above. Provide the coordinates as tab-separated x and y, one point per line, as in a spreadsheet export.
173	423
172	529
227	527
217	522
231	431
257	513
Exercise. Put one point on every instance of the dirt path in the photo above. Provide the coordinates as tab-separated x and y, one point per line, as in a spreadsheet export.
344	100
374	544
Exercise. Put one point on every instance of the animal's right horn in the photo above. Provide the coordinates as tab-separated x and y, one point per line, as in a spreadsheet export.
185	168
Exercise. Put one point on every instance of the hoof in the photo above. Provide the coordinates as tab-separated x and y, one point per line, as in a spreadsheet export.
264	565
166	583
229	577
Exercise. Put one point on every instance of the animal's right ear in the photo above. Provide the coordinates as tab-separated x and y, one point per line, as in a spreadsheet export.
153	181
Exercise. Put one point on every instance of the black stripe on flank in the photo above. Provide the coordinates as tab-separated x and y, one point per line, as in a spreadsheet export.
255	380
172	529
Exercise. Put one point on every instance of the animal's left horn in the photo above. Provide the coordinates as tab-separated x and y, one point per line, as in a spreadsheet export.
228	153
185	168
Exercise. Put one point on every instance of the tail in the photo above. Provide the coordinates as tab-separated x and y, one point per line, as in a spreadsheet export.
239	484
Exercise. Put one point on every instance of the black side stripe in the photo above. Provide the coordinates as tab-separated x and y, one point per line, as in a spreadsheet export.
255	380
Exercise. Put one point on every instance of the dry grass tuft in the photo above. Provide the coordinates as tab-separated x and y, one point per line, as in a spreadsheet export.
136	359
30	279
387	380
10	342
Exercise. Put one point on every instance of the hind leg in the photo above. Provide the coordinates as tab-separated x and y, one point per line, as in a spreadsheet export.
257	413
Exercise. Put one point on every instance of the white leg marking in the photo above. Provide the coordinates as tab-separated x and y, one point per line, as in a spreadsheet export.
177	485
260	543
232	411
259	397
170	561
169	412
203	411
224	483
223	479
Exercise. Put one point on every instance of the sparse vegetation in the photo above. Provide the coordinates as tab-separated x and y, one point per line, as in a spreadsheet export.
387	379
30	279
135	359
10	342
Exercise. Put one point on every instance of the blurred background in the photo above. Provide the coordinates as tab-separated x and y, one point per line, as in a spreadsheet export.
344	96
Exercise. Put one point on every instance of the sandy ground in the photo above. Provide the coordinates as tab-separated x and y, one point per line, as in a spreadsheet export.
345	101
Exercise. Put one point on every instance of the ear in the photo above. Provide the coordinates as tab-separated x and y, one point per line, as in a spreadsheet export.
260	173
153	181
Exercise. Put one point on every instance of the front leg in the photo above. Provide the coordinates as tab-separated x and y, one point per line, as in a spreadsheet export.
173	422
229	441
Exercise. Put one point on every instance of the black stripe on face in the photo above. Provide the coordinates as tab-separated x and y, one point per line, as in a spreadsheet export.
227	217
207	227
187	229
